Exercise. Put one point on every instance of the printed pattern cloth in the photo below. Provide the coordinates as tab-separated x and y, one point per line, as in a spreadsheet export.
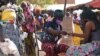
83	50
12	32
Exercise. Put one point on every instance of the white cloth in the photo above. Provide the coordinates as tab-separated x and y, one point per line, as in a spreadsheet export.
8	47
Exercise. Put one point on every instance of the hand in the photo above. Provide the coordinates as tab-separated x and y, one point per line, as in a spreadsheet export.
64	33
70	34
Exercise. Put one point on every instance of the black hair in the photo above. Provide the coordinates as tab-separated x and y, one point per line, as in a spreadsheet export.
5	2
58	14
51	13
88	14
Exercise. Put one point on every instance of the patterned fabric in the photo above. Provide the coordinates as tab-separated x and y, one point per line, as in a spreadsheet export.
83	50
28	26
29	22
49	37
52	49
29	45
13	33
39	22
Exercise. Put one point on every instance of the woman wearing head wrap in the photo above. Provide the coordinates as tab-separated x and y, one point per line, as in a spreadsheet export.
38	18
10	29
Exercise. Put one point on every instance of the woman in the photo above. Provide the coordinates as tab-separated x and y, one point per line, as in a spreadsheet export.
38	19
91	41
10	28
28	27
54	31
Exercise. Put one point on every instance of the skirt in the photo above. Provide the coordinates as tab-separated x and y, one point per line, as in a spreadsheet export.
83	50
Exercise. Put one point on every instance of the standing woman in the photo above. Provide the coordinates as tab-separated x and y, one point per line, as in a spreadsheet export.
28	27
38	19
10	28
91	33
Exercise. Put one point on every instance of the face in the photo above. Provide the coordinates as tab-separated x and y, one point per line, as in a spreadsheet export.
58	21
24	6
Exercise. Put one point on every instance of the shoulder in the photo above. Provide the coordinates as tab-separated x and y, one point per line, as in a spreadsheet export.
90	25
50	25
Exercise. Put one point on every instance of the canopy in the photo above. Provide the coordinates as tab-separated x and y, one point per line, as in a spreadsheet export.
95	4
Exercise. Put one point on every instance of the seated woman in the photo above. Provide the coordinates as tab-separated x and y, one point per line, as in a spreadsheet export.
91	31
53	34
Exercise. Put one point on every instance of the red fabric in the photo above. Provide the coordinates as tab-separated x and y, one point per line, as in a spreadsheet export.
54	50
11	21
95	3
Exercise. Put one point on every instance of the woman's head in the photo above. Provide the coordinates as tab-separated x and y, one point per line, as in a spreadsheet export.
37	10
24	5
50	13
88	14
58	16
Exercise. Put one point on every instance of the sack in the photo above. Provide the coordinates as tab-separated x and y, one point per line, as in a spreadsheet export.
8	47
67	40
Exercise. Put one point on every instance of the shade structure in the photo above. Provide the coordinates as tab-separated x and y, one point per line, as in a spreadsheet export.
95	4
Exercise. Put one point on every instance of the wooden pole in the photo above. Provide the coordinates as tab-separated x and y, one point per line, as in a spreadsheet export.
65	6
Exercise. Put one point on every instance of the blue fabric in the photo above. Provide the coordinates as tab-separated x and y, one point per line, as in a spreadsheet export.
49	37
10	32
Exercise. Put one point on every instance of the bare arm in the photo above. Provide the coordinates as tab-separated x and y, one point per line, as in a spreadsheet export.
56	32
86	34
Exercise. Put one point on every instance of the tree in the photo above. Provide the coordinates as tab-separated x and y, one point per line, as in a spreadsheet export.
19	1
42	3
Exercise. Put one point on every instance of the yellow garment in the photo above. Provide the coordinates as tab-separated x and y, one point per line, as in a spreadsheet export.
0	15
8	14
77	29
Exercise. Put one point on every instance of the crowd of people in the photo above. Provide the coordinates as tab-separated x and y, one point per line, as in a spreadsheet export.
17	21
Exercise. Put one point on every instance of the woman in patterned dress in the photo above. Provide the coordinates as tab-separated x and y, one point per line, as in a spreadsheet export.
28	27
91	42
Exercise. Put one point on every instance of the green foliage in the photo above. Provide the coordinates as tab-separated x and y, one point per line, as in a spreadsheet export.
41	3
19	1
